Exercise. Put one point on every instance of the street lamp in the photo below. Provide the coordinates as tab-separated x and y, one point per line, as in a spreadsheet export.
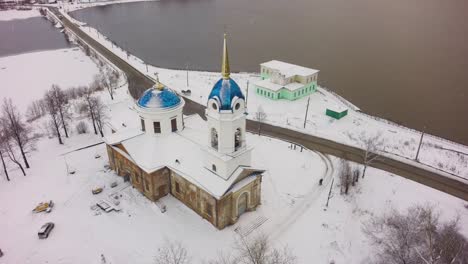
186	68
420	143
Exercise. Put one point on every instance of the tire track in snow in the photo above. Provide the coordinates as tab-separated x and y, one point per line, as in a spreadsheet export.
310	198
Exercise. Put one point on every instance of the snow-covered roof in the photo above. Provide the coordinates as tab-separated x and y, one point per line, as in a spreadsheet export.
289	69
156	98
121	135
275	87
337	108
151	153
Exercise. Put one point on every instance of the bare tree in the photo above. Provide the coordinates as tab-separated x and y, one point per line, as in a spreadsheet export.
15	128
256	250
416	236
172	253
89	106
345	176
52	110
8	148
61	102
98	110
355	172
371	145
260	117
2	140
35	110
108	79
453	247
223	259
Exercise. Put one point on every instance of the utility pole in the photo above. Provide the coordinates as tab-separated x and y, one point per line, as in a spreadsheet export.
420	143
146	66
307	111
329	193
247	93
66	165
186	68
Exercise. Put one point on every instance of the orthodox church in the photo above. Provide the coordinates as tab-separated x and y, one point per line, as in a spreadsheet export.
204	164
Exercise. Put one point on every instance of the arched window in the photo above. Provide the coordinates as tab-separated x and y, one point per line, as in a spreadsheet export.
237	139
142	125
214	138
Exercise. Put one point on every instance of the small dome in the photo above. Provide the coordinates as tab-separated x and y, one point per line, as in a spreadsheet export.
225	90
155	98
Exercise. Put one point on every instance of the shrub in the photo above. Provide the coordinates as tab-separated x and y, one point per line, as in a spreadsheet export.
82	128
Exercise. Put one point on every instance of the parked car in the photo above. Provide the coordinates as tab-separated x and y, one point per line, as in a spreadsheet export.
186	92
113	185
97	190
45	230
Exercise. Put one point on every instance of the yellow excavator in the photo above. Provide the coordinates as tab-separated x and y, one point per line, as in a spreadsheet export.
44	207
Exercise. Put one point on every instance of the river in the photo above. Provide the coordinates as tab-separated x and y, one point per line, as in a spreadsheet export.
28	35
406	61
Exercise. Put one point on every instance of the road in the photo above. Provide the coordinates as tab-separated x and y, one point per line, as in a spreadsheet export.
138	82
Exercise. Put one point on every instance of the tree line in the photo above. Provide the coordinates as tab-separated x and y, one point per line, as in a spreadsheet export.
17	136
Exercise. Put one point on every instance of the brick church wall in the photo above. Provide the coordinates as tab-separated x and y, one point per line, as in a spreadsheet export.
220	213
197	199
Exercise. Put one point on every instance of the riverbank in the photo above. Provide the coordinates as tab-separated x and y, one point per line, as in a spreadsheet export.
69	7
399	142
25	90
13	14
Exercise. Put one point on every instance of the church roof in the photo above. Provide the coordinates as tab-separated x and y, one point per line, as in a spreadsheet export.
289	69
153	153
226	89
159	98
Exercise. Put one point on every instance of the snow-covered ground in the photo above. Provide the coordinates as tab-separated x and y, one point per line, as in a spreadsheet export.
293	204
26	77
13	14
400	142
293	207
73	6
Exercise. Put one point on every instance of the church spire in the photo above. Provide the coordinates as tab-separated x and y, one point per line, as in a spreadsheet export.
225	64
159	85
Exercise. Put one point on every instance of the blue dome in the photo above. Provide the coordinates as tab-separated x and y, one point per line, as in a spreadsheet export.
159	98
225	90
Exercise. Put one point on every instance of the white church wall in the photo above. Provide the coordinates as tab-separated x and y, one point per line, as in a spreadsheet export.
164	117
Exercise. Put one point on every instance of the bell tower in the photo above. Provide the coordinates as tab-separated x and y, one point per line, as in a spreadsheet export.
225	111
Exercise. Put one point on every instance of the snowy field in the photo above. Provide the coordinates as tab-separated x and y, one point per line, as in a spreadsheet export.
14	14
42	70
293	208
400	142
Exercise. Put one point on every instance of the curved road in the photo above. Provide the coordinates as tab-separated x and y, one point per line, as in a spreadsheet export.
138	82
